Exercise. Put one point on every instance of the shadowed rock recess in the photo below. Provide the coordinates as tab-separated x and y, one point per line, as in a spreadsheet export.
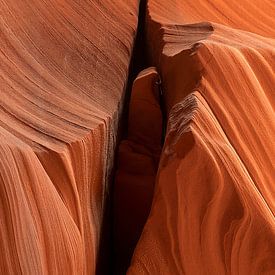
185	97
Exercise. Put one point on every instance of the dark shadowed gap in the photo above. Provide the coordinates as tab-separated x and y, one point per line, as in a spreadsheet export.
106	256
139	61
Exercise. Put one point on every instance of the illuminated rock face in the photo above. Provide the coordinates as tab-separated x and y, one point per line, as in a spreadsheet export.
213	205
202	203
64	65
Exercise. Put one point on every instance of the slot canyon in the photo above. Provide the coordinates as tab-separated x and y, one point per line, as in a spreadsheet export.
137	137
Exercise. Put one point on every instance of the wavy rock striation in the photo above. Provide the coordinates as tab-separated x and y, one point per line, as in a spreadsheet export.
63	67
213	206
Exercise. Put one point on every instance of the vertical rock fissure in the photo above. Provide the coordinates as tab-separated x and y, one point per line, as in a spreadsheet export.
138	62
142	134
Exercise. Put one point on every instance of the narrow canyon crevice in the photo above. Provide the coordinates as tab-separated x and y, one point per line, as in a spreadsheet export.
142	134
138	159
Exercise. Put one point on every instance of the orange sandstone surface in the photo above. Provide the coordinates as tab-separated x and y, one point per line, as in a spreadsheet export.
64	65
213	204
201	203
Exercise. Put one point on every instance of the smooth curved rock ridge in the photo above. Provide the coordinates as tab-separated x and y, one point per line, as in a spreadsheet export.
213	206
64	66
212	217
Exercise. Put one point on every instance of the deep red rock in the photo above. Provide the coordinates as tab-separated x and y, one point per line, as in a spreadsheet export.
137	166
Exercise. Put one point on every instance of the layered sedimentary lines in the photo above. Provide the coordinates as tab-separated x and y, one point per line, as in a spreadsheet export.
213	207
63	69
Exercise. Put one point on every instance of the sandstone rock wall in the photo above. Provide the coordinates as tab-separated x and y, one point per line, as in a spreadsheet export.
64	67
213	206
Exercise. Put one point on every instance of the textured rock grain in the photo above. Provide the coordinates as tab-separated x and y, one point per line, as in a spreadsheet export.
63	67
213	206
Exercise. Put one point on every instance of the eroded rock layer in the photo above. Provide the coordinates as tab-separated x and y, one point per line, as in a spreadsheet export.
213	206
63	67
